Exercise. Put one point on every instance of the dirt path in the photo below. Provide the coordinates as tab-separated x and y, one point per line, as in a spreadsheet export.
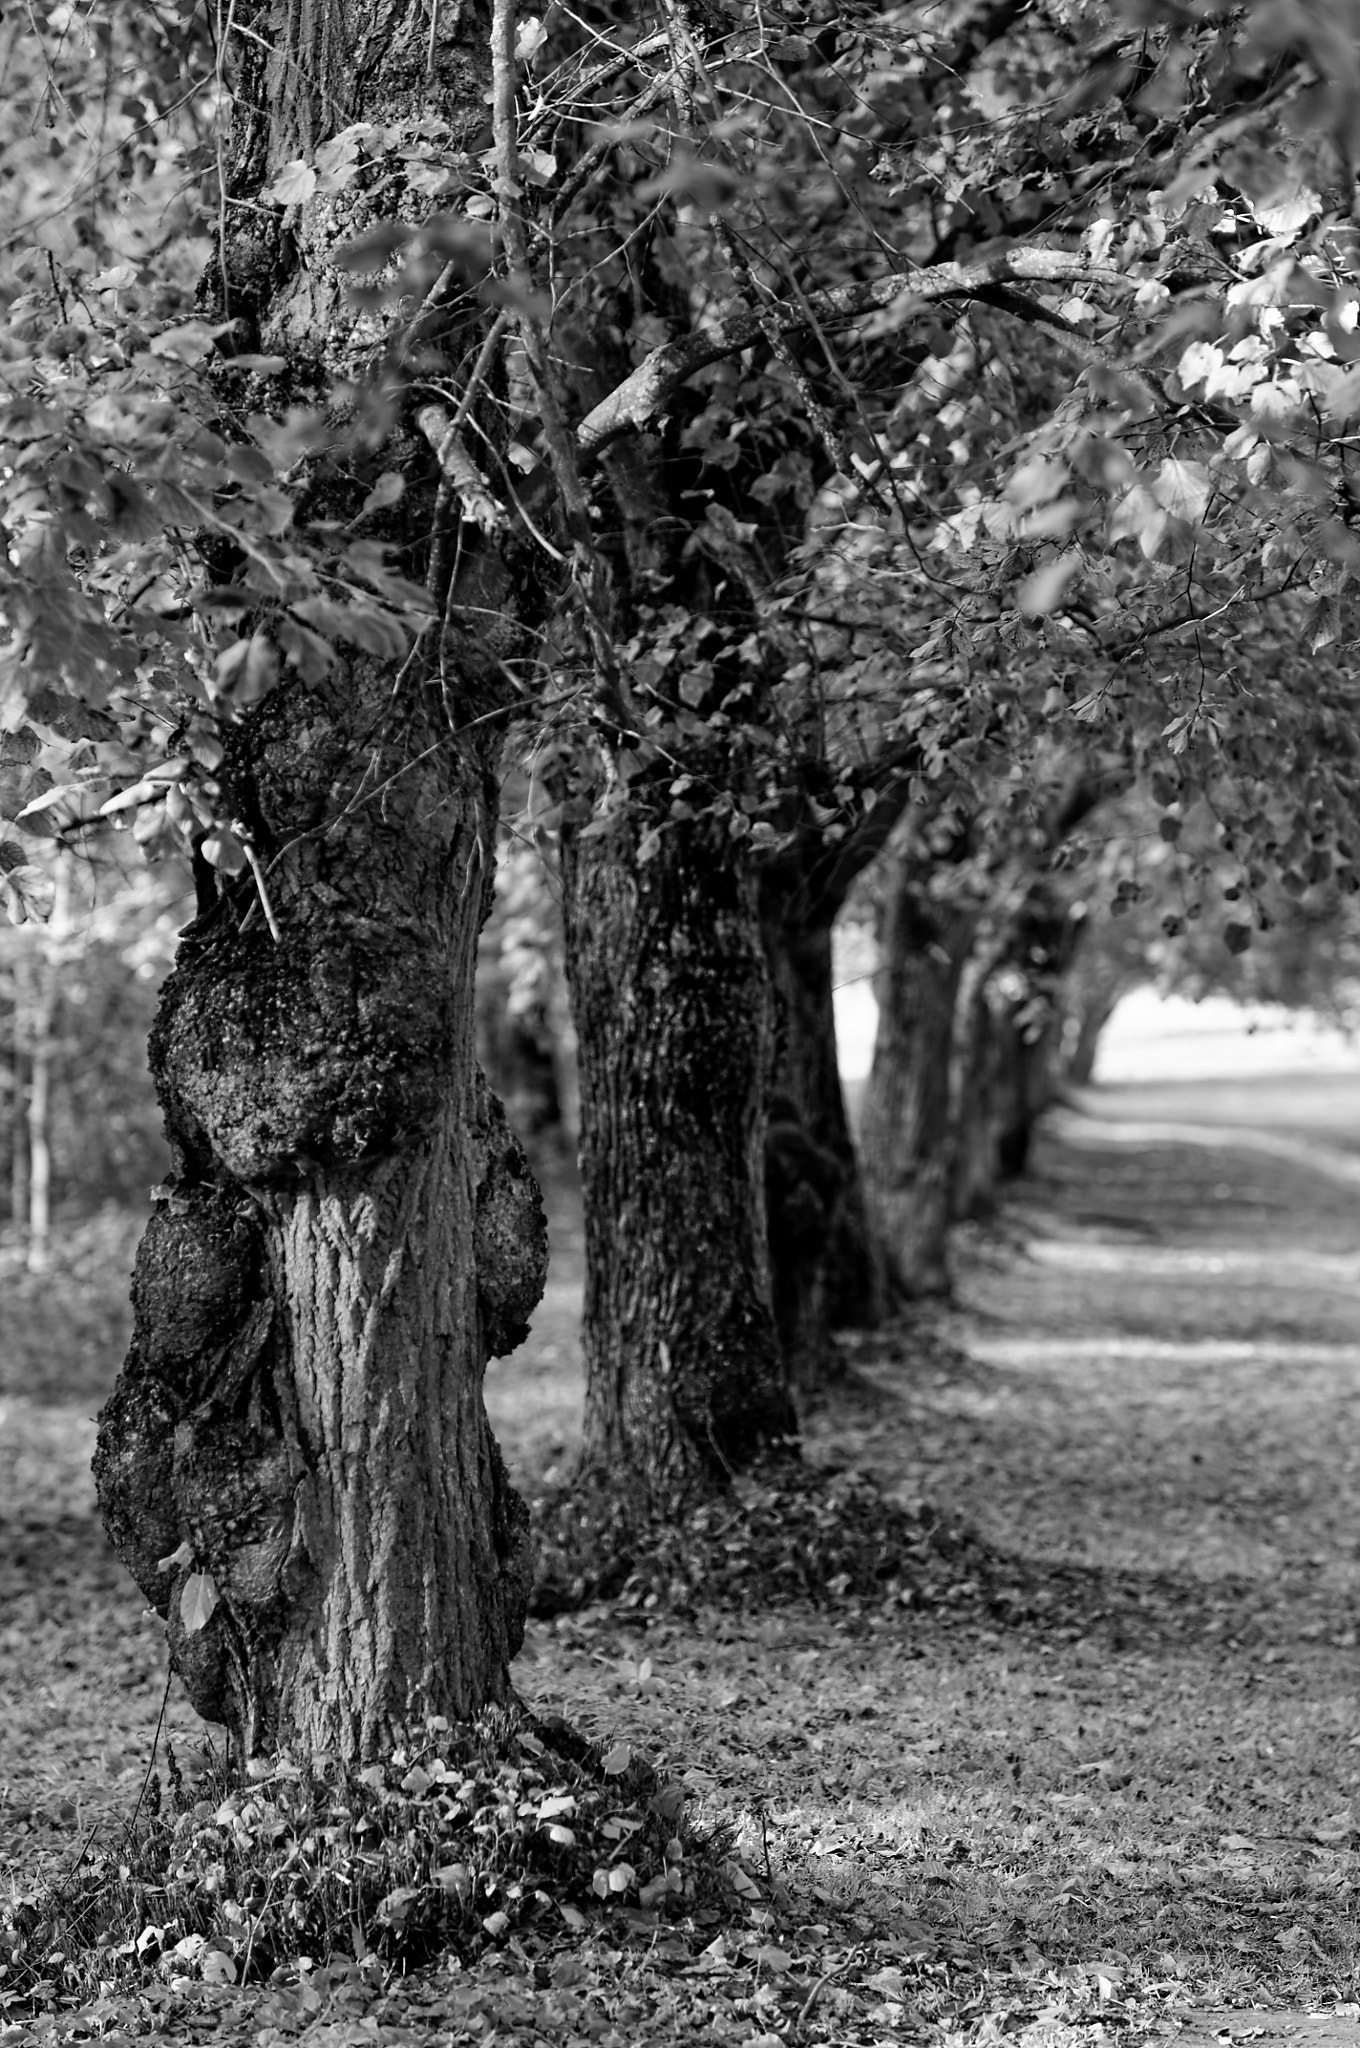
1109	1780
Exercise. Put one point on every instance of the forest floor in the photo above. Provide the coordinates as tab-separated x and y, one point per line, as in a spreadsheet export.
1109	1794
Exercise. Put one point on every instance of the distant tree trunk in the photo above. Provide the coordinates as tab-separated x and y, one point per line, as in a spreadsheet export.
47	966
39	1151
515	1057
909	1133
802	890
350	1230
525	1039
18	1164
978	1084
684	1380
1088	999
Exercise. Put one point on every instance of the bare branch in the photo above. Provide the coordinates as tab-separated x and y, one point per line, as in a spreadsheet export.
643	395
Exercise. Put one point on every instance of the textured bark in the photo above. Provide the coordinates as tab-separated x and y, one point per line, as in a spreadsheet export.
909	1132
350	1230
684	1381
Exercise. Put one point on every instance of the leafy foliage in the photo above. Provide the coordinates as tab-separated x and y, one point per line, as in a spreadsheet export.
456	1842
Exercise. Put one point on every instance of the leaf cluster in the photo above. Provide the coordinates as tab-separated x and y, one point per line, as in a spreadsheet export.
791	1533
453	1842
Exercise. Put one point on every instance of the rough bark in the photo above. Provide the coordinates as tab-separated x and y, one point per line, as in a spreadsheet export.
684	1380
350	1230
909	1132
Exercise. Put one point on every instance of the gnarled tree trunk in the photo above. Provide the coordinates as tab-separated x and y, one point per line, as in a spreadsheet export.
684	1380
351	1230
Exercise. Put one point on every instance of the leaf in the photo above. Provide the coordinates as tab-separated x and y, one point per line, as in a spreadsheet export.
1036	482
191	343
307	652
774	1959
1042	591
293	186
72	795
621	1877
1287	216
245	672
560	1803
741	1881
25	891
1322	626
115	280
530	38
888	1983
540	166
217	1967
376	632
375	249
616	1760
1183	488
183	1556
197	1601
385	491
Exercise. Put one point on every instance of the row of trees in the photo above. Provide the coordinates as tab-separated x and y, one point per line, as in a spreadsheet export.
790	428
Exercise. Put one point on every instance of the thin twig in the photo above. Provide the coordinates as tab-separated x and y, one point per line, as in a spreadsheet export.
151	1760
263	889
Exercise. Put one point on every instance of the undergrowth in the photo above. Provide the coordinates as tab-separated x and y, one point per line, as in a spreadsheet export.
452	1845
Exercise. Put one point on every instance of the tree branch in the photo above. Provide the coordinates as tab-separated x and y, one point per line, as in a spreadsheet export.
643	396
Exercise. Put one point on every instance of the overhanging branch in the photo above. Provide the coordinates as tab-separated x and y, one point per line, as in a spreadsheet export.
643	395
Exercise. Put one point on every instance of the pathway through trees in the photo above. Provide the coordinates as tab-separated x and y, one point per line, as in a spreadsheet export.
1104	1770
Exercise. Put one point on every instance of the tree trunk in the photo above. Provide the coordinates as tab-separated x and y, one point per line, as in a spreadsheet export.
979	1085
39	1150
18	1165
1087	1007
684	1381
824	1265
351	1230
909	1132
47	966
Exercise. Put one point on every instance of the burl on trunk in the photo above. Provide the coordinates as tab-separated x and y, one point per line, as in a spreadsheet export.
352	1229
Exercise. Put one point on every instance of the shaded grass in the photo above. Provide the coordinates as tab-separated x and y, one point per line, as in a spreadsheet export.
1128	1745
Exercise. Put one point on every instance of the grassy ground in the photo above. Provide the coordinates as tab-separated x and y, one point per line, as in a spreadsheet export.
1115	1779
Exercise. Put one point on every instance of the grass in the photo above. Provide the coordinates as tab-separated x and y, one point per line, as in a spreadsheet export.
1110	1777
